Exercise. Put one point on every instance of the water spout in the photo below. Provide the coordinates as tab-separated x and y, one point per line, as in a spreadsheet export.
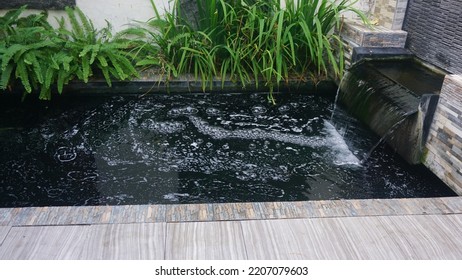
373	95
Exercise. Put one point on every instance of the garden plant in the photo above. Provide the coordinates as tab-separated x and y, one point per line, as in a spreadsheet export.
245	41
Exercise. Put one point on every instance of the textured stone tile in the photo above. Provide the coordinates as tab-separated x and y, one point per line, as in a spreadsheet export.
142	241
189	212
205	241
238	211
3	232
43	243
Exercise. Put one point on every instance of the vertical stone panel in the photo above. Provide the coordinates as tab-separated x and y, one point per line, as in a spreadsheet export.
435	33
444	146
390	13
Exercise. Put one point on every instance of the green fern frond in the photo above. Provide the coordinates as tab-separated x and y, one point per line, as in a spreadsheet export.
23	74
102	60
86	69
10	53
6	76
77	30
106	75
94	52
87	24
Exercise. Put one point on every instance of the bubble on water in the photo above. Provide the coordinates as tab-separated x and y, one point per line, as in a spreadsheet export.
258	110
297	129
65	154
174	112
97	143
82	176
284	108
213	112
267	191
164	169
185	111
53	193
163	127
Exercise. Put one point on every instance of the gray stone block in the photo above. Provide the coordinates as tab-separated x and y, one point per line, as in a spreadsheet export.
38	4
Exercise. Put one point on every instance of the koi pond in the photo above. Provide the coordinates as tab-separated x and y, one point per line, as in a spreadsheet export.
205	148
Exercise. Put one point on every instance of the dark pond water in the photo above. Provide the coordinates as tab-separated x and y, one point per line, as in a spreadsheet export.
163	149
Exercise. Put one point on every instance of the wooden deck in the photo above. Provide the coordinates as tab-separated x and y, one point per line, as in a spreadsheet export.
345	229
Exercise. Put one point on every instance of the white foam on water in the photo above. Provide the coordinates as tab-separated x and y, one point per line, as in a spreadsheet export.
174	197
163	127
255	134
340	150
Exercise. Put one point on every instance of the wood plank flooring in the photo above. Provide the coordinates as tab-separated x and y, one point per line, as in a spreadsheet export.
205	240
354	230
3	232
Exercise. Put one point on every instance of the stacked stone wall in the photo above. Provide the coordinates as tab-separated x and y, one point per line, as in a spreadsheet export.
435	32
444	146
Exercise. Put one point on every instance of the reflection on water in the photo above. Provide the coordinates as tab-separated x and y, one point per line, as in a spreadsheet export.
194	149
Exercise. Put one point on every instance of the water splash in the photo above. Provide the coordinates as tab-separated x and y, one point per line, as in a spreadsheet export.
340	150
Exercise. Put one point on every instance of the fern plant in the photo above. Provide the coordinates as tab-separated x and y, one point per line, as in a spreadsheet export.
43	58
26	48
95	50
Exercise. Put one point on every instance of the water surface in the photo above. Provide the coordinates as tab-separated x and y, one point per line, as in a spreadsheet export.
195	149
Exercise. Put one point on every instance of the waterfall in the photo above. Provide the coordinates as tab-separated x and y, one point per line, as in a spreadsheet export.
376	94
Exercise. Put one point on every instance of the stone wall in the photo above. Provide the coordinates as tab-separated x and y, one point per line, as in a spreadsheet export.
444	145
435	33
355	34
390	13
37	4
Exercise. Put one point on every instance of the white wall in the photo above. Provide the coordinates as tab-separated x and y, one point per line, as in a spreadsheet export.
118	12
122	12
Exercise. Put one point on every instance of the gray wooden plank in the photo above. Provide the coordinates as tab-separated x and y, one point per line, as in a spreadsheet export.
453	203
380	237
6	215
3	232
43	243
296	239
426	236
205	240
142	241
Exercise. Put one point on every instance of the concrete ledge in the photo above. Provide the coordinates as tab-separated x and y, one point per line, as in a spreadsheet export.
355	33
